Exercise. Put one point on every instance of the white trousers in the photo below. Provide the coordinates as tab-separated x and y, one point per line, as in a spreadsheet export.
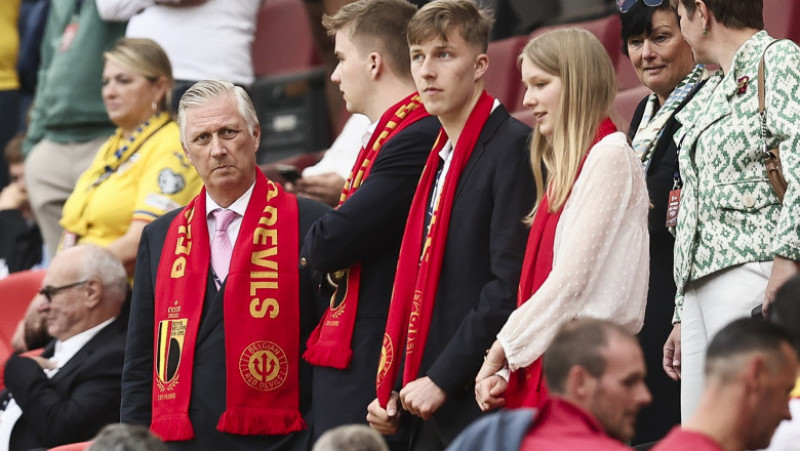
709	304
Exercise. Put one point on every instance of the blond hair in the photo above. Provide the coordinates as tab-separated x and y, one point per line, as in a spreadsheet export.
436	19
146	58
377	25
588	87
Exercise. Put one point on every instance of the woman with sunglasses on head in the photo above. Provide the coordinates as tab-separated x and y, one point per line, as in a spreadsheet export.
736	243
662	59
587	253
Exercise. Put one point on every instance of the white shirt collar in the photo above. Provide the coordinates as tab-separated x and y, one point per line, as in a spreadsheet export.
368	133
239	205
67	349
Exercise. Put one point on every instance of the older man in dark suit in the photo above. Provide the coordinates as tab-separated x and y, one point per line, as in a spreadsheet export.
213	357
72	390
462	251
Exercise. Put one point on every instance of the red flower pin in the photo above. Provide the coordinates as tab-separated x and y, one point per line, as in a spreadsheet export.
742	84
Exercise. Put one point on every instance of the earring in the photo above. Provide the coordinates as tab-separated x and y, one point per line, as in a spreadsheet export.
705	31
154	106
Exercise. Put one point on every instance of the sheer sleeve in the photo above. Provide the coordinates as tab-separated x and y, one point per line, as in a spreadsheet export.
601	255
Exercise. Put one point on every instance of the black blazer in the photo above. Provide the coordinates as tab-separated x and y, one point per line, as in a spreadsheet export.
77	402
367	229
482	262
656	419
207	402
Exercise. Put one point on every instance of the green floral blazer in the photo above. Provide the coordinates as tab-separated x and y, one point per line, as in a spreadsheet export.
729	214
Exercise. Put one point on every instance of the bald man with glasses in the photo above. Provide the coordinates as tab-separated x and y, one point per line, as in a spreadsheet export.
70	391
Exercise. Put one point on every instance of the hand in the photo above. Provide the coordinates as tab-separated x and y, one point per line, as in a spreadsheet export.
384	421
45	364
494	360
672	354
488	393
325	188
782	270
13	197
422	397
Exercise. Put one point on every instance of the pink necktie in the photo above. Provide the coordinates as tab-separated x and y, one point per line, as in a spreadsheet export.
221	248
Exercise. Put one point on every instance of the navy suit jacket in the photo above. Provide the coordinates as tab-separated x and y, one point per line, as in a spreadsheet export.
482	263
207	402
367	229
77	402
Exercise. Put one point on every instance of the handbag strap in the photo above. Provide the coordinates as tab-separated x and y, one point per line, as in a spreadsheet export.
761	96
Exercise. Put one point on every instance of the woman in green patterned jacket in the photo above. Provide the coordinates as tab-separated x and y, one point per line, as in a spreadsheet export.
735	242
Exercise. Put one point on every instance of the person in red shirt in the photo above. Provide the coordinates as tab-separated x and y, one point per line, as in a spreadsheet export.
750	370
595	372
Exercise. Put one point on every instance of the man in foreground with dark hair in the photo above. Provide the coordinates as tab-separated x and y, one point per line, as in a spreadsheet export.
595	373
751	367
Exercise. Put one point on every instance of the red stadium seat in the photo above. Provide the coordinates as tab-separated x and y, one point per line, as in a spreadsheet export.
72	447
781	18
607	30
625	105
16	292
283	41
503	76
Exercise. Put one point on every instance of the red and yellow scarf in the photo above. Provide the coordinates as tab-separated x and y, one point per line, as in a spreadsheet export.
261	315
526	387
417	278
330	343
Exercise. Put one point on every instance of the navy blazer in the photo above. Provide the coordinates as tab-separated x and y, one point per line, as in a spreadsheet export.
482	263
207	402
77	402
367	229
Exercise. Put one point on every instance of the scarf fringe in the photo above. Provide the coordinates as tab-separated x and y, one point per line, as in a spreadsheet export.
250	421
174	427
326	353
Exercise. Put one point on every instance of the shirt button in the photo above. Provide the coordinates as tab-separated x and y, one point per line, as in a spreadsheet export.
748	200
303	261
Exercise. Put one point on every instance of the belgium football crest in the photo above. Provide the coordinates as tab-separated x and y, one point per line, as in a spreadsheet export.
387	357
263	365
171	335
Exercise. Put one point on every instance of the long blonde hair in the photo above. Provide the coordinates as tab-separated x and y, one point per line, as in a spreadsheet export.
588	87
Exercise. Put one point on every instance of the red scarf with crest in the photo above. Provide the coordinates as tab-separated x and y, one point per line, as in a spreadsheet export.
526	387
417	278
330	343
261	318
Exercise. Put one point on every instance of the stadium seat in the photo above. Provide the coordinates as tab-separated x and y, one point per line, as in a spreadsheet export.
283	41
503	76
607	30
781	21
625	105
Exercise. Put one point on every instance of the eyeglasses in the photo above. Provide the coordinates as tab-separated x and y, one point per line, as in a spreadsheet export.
625	5
48	292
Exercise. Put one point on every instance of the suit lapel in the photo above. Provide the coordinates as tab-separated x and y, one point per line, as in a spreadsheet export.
489	129
85	352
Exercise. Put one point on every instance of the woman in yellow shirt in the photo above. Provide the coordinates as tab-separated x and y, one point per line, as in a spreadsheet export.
141	172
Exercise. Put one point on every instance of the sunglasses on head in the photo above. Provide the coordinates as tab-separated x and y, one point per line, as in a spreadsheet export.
625	5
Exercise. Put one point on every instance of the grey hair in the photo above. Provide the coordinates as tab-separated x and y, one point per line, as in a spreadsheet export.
126	437
206	90
353	437
98	262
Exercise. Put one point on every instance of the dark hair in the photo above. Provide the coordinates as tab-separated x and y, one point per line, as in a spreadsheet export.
744	336
785	310
13	150
581	342
377	25
732	13
638	20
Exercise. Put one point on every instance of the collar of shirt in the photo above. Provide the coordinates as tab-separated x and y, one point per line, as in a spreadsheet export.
446	154
368	133
239	206
67	349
